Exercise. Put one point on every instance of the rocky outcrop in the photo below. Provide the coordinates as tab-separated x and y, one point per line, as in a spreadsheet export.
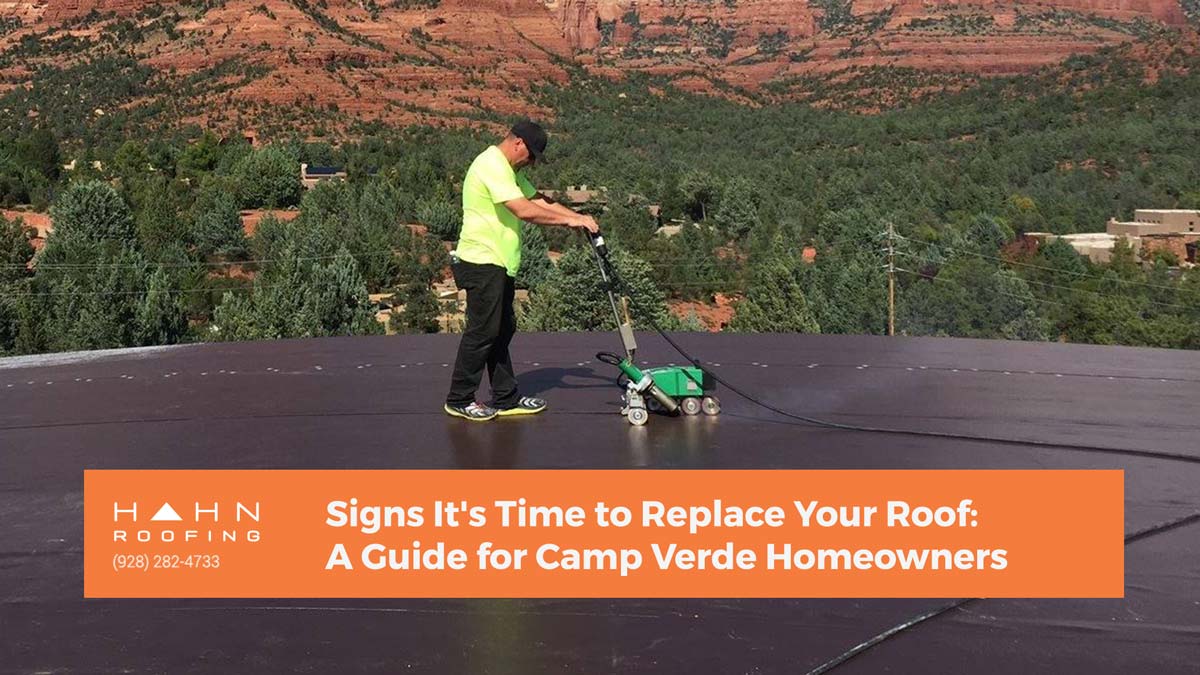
445	61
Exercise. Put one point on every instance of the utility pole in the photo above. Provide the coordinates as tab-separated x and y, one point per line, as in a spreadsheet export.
891	233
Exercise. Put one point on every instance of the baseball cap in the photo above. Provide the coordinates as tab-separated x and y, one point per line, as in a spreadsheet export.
534	136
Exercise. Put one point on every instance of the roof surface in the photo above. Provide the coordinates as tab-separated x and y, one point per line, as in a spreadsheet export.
375	403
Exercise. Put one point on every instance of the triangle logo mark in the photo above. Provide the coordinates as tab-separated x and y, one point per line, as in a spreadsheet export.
166	512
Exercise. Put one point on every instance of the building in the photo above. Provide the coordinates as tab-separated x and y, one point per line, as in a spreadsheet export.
1095	246
1176	231
1173	230
1149	221
311	175
595	201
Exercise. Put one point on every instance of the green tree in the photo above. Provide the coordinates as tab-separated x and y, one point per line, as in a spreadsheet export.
90	213
16	249
39	152
311	288
199	158
15	253
268	178
701	193
420	313
443	219
737	214
216	227
775	302
161	318
536	267
574	297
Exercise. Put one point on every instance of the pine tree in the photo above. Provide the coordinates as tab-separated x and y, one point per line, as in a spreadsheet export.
161	320
774	302
268	178
535	258
421	311
574	298
217	223
89	213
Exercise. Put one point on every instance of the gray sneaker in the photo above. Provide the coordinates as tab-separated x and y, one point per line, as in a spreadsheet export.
528	405
476	412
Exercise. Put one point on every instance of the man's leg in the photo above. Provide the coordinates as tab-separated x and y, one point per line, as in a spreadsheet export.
485	292
499	364
500	368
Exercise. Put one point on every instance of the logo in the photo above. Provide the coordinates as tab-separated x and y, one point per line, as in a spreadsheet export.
212	522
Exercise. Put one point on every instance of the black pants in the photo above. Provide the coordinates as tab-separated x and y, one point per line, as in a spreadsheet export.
490	327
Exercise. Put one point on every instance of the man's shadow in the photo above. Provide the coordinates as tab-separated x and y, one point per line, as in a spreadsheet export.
541	380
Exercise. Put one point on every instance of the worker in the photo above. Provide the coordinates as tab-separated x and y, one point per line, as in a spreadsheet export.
497	196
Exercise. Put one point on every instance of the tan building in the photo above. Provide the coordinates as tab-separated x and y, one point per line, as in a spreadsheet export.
1156	221
1096	246
1173	230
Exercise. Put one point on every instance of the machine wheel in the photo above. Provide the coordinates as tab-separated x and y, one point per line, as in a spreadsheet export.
690	405
653	405
638	416
711	405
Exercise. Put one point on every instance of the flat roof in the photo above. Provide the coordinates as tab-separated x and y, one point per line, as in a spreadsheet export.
375	402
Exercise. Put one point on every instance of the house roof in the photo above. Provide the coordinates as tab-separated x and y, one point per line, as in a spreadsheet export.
323	170
375	402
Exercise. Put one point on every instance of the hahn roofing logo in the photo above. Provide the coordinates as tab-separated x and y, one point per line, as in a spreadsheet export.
208	522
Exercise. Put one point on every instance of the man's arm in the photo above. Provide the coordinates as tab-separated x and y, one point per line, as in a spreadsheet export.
546	202
542	213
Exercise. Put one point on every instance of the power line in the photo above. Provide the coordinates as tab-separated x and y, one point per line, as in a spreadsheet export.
1096	293
999	291
1075	289
1037	267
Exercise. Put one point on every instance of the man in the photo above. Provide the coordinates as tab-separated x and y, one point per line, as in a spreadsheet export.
496	198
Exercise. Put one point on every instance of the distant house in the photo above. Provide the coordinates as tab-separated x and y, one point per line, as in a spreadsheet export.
1174	230
596	200
578	195
1157	221
310	175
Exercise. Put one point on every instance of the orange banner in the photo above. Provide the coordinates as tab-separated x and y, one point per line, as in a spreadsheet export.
591	534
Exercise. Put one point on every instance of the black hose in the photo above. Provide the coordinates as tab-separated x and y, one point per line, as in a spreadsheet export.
617	280
609	358
922	618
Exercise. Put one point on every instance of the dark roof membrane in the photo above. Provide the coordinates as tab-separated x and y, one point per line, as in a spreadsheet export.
375	402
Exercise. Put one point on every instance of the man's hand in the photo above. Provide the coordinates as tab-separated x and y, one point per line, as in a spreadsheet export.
586	223
541	213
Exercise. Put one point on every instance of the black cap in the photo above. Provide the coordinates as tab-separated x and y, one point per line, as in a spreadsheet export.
534	136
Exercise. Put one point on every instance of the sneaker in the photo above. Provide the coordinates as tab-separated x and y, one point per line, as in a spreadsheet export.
526	406
476	412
